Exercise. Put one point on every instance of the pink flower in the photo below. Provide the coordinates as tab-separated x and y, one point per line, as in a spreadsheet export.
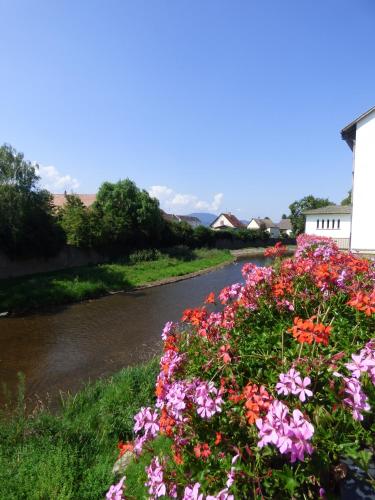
292	383
167	330
115	492
301	388
208	400
155	481
192	492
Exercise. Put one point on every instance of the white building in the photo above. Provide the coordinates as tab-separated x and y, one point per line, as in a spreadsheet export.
332	221
360	136
226	221
270	227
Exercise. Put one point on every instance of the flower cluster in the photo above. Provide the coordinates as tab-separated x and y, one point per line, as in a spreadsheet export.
245	388
309	332
291	434
292	383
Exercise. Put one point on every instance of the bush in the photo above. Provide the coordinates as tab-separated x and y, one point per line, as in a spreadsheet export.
264	397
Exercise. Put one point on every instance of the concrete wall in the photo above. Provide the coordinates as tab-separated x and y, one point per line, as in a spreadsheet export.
68	257
363	217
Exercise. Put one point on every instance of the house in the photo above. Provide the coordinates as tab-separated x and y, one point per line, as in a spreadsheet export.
226	221
270	227
360	137
285	227
87	199
192	221
332	221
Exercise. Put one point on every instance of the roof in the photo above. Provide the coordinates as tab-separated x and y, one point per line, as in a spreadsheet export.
267	222
87	199
348	133
330	209
189	219
231	218
285	224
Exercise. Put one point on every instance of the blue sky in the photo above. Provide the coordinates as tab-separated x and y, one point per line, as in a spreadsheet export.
223	105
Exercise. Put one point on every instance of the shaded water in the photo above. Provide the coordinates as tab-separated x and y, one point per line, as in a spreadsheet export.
63	348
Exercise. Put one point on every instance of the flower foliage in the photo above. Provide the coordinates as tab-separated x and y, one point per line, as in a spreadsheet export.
265	388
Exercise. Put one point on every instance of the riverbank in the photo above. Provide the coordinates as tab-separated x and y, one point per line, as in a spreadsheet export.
74	285
70	455
258	251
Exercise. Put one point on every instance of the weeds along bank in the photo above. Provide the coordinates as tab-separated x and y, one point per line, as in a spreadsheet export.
264	398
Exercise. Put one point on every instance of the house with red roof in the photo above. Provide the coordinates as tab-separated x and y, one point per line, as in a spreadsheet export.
226	221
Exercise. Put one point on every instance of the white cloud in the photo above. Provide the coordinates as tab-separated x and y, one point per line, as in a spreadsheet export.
173	202
53	180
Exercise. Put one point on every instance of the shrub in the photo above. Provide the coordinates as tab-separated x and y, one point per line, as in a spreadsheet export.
265	396
145	255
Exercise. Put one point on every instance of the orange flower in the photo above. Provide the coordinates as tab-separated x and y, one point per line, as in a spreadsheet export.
166	423
363	302
202	450
306	331
218	438
124	447
257	401
210	299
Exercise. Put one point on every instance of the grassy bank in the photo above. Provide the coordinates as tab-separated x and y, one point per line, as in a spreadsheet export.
71	455
74	285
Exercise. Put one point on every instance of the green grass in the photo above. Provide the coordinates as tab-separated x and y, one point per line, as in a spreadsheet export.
74	285
71	455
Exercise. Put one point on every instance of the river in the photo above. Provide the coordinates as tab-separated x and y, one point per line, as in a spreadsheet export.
64	348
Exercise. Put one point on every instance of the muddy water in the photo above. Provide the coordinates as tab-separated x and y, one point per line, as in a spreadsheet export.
61	349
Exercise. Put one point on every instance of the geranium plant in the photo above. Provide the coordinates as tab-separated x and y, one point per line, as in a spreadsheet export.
264	389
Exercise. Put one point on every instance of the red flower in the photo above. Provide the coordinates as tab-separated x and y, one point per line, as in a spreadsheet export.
124	447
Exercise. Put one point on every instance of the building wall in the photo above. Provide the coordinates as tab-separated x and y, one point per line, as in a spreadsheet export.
341	236
343	232
222	221
363	217
253	224
274	232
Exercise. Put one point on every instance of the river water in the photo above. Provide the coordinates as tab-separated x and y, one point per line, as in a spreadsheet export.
64	348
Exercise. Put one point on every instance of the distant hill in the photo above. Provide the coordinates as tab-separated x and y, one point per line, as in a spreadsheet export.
204	217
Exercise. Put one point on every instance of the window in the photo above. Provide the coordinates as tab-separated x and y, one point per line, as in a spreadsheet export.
338	223
317	224
327	223
333	223
322	223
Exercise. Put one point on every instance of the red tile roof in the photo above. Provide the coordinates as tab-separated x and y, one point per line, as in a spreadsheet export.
87	199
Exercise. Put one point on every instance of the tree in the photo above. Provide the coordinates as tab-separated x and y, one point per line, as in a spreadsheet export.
126	215
27	224
348	199
74	218
298	207
284	216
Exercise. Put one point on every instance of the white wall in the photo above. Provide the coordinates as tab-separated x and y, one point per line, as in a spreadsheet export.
343	232
253	224
363	217
222	221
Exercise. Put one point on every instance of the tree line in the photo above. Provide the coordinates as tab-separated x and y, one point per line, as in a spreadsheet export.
122	218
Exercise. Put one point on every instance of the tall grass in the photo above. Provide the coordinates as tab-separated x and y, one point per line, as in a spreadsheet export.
74	285
70	455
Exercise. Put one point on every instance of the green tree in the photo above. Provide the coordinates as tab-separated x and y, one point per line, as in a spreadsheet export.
27	223
348	199
298	207
126	215
74	218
